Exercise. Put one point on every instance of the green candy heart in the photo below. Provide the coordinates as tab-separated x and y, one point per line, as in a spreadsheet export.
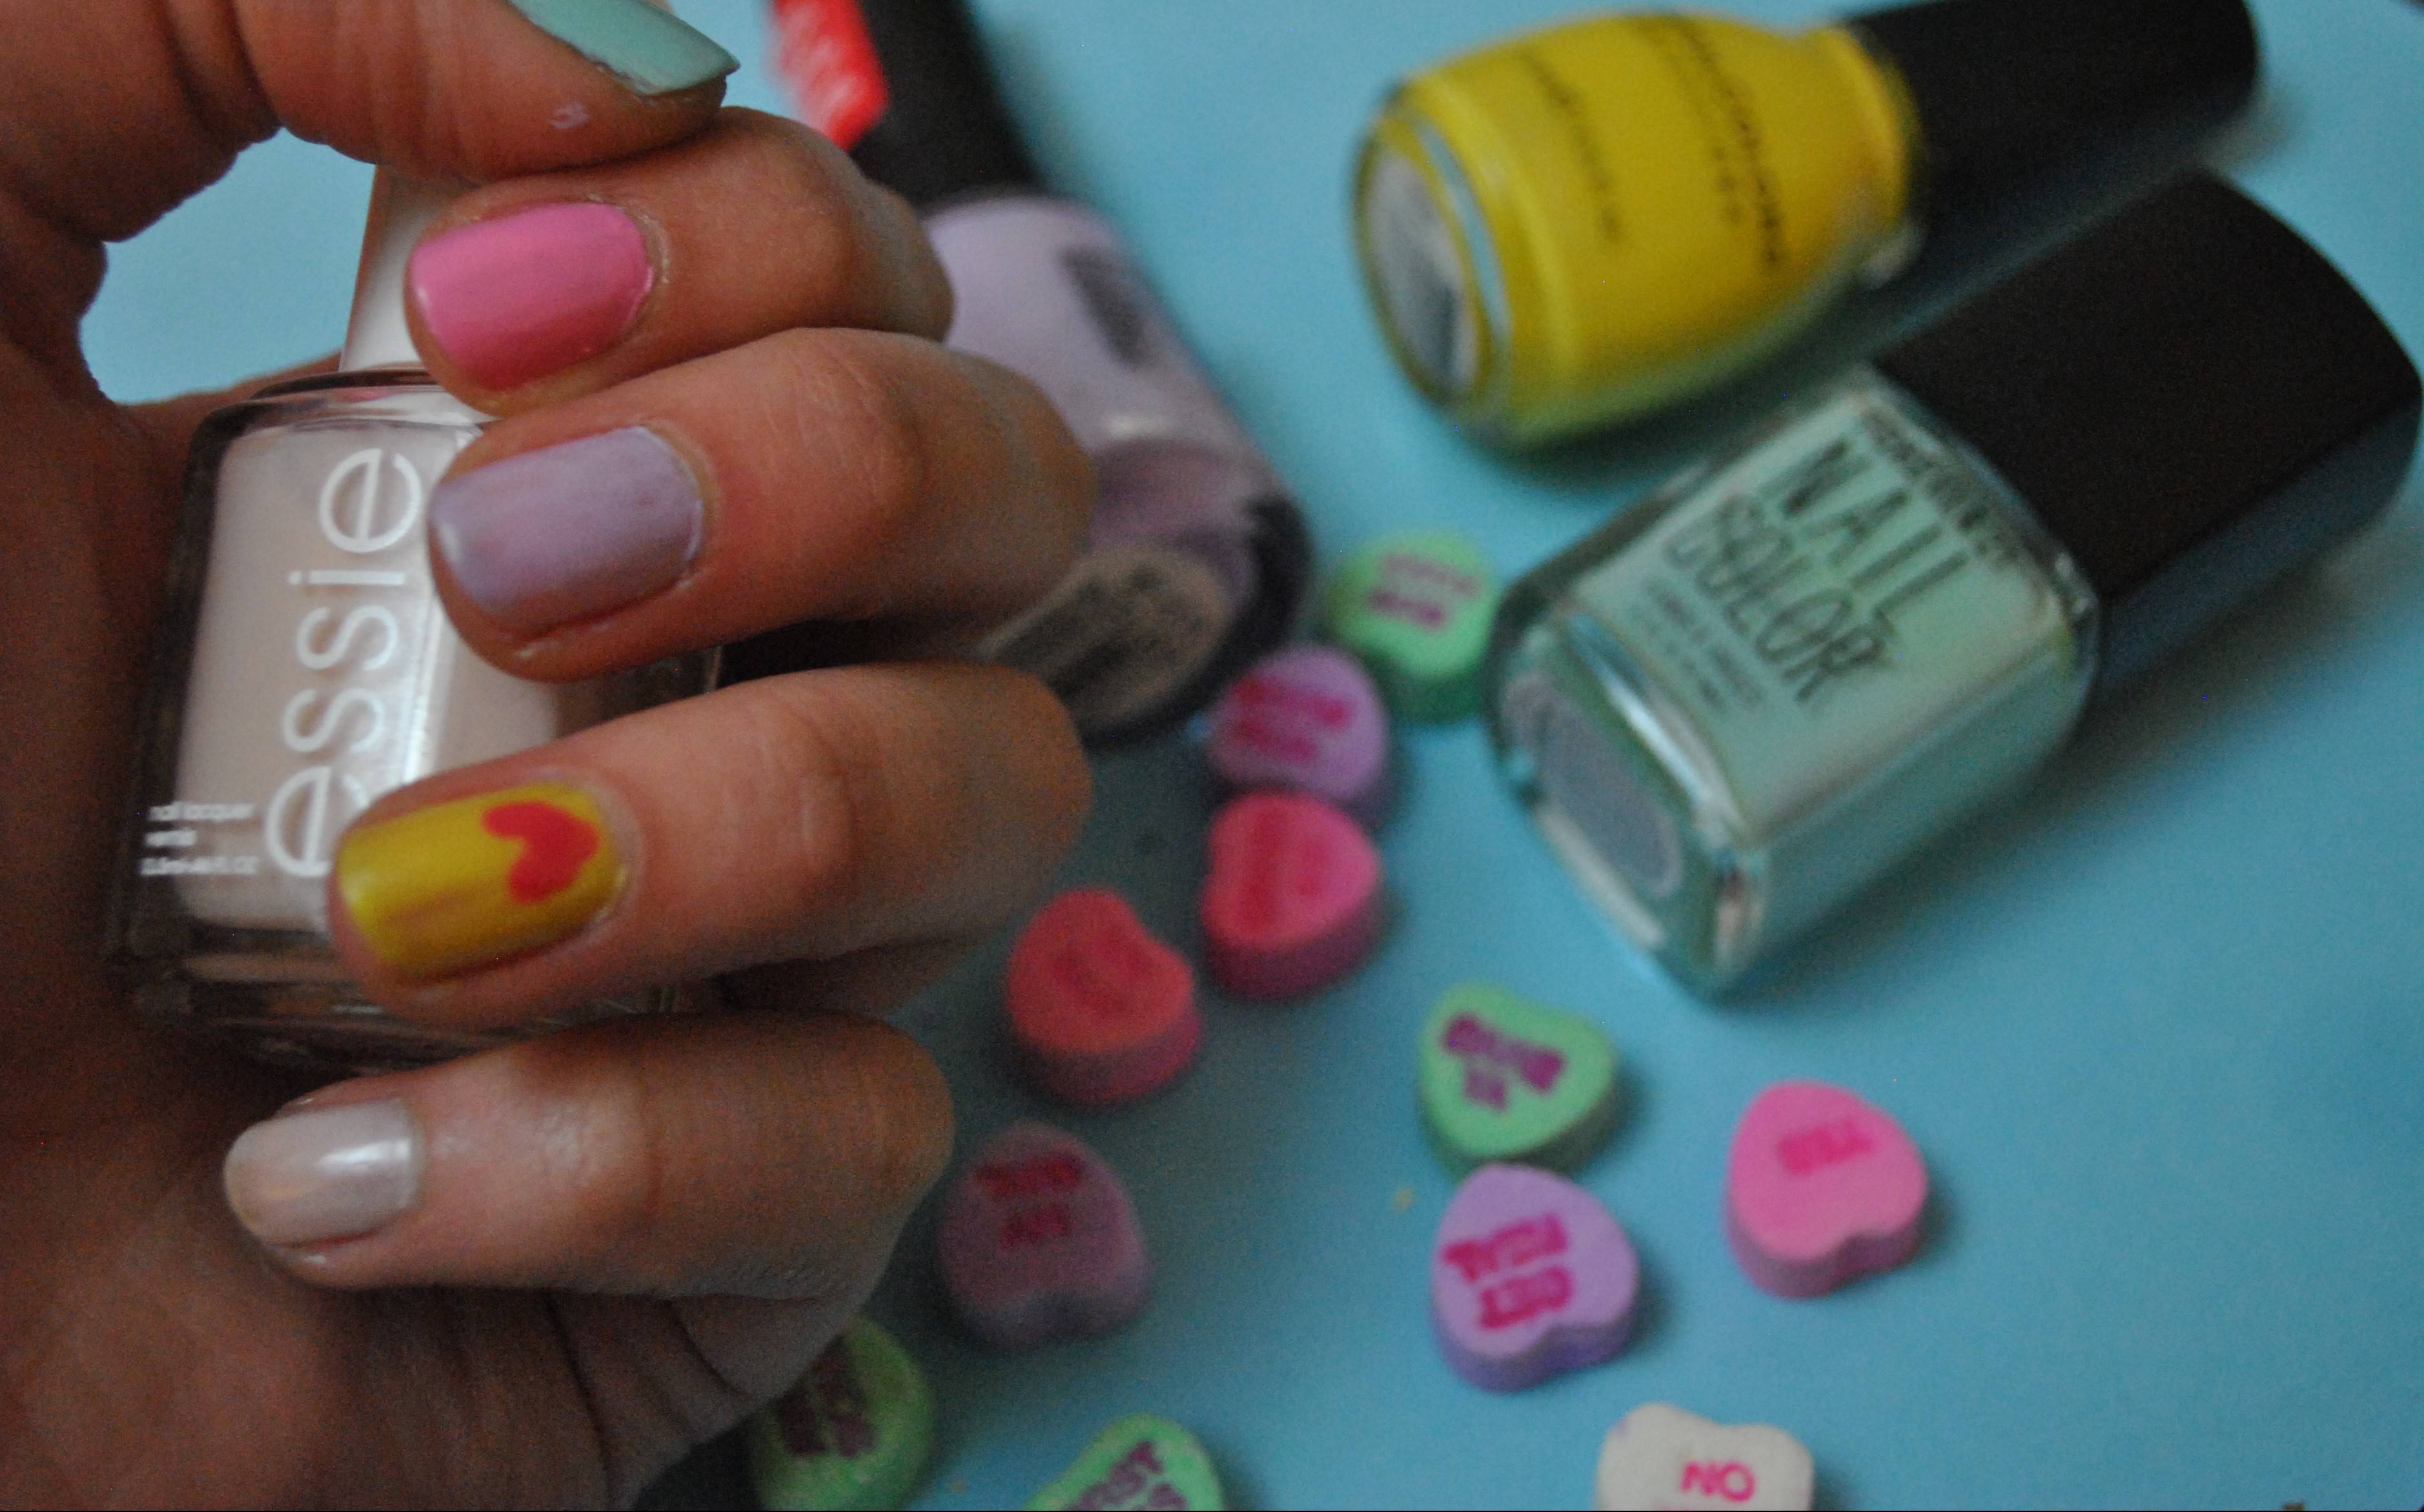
1140	1461
855	1432
1504	1079
1417	606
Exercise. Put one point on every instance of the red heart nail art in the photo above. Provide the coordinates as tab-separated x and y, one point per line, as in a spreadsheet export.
555	846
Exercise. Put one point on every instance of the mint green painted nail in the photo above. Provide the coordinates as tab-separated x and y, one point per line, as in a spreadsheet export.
1141	1460
1506	1078
1417	606
854	1433
653	51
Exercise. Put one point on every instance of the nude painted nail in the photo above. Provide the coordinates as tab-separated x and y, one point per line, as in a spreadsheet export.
521	296
569	531
325	1174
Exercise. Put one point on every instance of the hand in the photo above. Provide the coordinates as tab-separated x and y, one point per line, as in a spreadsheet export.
556	1266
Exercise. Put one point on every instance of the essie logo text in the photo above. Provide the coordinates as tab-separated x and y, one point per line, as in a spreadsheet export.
370	509
1491	1058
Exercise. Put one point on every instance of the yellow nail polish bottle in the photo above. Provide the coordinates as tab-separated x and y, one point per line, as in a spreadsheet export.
1583	224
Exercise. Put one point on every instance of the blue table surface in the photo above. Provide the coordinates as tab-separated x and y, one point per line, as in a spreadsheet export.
2156	1024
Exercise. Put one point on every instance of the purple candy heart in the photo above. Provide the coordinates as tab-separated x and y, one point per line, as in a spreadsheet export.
1307	718
1040	1241
1530	1278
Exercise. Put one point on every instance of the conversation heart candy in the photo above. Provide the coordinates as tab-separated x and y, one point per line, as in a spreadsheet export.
1530	1278
1100	1011
853	1432
1504	1079
1307	718
1417	606
1820	1187
1140	1461
1294	899
1664	1456
1040	1241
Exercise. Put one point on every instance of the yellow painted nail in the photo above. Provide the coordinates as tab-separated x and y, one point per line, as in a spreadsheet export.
464	884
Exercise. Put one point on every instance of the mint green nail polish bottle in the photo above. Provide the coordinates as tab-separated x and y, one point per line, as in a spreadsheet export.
1740	702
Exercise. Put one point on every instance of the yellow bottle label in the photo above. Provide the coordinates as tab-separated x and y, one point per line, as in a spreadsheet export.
1622	211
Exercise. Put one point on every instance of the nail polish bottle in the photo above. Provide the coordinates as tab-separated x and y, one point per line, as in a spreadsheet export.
1739	702
1581	224
1198	558
305	666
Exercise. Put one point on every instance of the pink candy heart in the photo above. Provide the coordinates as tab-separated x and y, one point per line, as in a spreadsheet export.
1820	1187
1100	1011
1040	1241
1310	718
1294	900
1530	1278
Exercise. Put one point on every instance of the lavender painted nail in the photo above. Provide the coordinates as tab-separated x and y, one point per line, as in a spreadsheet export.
569	531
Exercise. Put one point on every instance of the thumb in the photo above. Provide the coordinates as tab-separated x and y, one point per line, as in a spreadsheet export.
117	109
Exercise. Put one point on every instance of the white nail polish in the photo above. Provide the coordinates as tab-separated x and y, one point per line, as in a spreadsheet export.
306	666
325	1174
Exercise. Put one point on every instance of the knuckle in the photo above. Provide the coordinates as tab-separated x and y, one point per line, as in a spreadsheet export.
834	788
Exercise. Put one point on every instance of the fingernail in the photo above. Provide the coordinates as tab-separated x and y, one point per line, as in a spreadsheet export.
571	531
325	1173
651	50
517	297
478	880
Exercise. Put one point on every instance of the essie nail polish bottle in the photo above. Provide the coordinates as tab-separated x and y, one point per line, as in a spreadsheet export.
1584	223
305	666
1198	558
1735	705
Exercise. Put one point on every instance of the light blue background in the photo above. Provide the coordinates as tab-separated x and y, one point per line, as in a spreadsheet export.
2157	1025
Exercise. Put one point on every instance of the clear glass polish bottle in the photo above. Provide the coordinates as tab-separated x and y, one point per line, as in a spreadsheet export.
306	666
1741	701
1198	558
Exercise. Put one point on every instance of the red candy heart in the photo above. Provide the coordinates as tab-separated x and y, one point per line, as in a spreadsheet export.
1100	1011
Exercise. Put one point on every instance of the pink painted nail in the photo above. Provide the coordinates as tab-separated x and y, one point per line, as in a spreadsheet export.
1294	900
1820	1187
523	295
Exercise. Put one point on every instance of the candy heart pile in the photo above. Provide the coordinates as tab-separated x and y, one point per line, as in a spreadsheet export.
1531	1275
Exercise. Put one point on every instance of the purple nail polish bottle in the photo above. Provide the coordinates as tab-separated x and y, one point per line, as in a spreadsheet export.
1198	558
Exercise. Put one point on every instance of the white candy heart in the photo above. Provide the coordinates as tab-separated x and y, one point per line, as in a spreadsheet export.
1664	1456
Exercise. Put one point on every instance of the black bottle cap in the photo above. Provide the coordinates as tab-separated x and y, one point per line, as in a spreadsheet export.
2009	92
945	131
2187	397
